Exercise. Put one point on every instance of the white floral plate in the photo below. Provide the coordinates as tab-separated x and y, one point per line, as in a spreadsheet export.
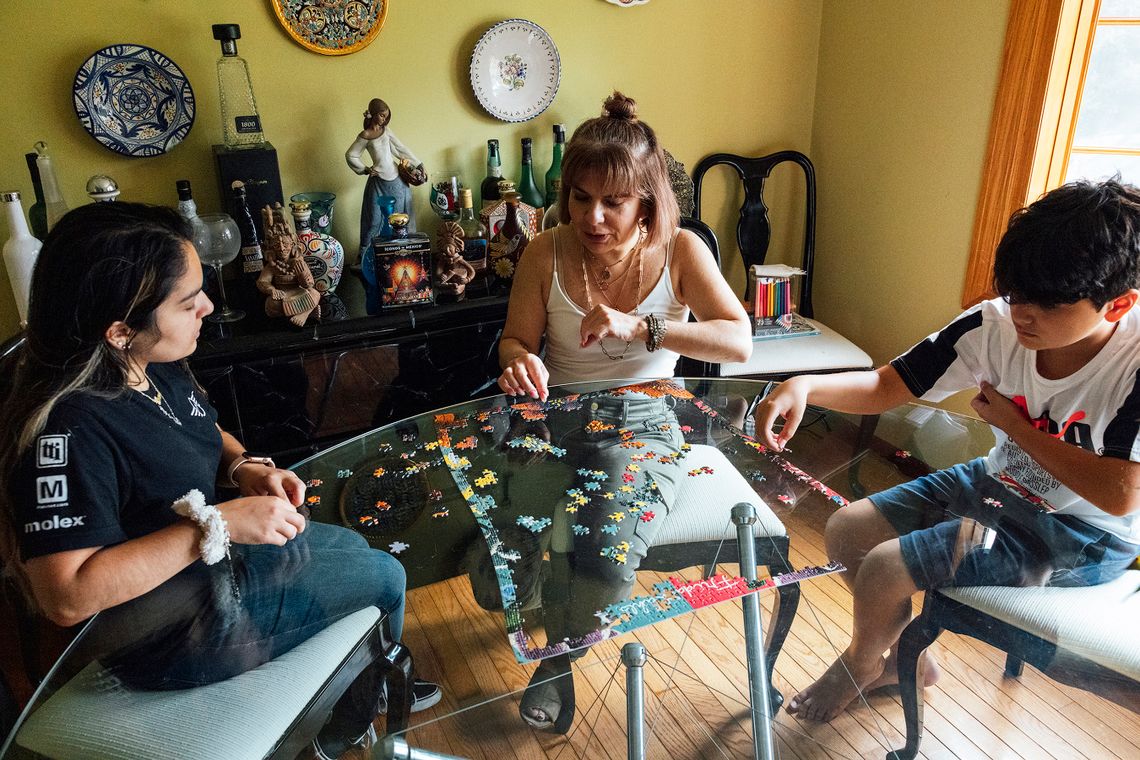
515	70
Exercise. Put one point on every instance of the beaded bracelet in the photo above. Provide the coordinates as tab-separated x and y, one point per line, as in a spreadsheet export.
655	336
215	544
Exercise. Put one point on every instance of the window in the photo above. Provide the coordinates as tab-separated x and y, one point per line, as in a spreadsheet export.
1067	106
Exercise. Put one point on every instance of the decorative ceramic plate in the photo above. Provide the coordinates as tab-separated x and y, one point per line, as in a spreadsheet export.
627	3
332	27
134	100
515	70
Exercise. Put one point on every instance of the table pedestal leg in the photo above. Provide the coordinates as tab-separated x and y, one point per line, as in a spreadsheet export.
744	515
633	657
395	748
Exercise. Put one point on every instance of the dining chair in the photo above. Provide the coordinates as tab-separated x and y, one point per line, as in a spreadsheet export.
827	351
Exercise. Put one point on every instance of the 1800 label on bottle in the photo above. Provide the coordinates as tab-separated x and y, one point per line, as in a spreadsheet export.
247	124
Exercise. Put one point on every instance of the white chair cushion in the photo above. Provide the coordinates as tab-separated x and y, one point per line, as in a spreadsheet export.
1098	623
703	510
812	353
94	718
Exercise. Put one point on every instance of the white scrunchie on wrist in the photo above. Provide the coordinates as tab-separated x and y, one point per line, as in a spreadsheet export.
215	544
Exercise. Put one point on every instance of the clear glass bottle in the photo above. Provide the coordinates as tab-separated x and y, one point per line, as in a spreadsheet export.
526	185
474	234
20	252
554	173
37	212
489	189
241	122
54	204
252	258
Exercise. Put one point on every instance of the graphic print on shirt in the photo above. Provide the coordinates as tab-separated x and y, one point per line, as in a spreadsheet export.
1021	473
196	409
1072	430
51	451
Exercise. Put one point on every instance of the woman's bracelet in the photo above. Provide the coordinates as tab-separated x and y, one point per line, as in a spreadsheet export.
215	543
655	335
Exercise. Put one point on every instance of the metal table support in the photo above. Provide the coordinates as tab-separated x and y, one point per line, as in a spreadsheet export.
744	515
395	748
633	657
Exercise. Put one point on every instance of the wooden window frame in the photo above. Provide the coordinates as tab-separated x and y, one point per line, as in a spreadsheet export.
1047	46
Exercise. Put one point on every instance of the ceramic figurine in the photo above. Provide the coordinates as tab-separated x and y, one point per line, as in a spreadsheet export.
285	278
452	272
323	253
394	169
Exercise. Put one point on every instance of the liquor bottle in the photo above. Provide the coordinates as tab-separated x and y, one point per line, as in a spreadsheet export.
241	124
489	189
20	252
553	215
54	204
323	253
510	241
526	186
474	234
188	210
252	258
554	173
37	212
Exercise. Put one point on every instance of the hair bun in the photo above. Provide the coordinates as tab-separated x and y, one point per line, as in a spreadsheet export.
618	106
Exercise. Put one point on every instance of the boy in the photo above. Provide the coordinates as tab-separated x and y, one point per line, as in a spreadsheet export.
1057	362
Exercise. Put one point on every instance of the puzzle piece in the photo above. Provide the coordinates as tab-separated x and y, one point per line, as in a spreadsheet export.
593	485
469	442
533	524
646	516
382	505
486	479
344	473
314	500
396	547
581	530
627	477
610	529
313	483
597	426
441	513
617	516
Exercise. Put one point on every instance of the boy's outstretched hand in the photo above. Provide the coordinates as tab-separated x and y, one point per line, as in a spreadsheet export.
786	402
997	409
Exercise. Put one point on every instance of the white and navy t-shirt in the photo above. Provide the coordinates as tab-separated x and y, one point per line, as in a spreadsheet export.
1097	407
105	470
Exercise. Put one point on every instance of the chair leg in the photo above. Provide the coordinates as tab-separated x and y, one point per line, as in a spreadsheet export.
398	678
1013	666
917	636
867	425
787	601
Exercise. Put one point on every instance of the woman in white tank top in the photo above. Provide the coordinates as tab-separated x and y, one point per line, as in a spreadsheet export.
611	292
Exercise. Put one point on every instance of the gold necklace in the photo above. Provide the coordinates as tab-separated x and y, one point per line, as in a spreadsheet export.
636	302
159	401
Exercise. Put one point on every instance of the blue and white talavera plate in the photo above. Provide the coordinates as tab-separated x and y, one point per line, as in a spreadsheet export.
515	70
134	100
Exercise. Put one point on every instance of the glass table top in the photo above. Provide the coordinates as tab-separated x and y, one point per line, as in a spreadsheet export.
519	524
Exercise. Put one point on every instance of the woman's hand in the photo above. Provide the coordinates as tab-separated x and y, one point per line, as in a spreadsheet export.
786	402
604	322
525	375
255	479
261	520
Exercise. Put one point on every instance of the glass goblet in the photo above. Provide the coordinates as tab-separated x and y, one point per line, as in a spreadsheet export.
224	244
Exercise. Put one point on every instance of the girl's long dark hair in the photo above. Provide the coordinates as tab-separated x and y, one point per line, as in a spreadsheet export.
101	263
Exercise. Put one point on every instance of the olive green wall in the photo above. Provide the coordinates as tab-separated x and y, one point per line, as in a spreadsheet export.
735	75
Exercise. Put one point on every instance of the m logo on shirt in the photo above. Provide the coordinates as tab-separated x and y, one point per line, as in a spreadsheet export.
51	491
51	451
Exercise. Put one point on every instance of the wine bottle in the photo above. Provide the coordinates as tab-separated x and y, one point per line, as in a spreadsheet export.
20	253
241	122
252	258
526	186
474	234
54	204
489	189
37	212
554	173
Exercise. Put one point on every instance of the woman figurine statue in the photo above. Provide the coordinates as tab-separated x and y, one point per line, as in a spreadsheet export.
452	271
285	277
394	168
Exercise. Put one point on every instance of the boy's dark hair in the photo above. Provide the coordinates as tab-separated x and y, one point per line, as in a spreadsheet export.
1079	241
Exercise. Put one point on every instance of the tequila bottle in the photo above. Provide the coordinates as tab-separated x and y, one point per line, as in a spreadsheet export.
489	189
474	234
241	124
55	205
19	252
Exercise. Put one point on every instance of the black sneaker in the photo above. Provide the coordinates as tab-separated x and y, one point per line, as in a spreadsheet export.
424	695
331	749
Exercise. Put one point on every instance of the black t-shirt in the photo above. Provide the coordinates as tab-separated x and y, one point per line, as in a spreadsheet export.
105	470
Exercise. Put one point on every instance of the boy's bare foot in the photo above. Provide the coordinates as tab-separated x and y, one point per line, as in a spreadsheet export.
834	690
890	676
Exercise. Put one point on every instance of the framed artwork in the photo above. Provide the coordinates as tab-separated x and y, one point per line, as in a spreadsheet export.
332	27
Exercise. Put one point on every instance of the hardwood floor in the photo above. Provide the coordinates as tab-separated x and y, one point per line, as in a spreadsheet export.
696	686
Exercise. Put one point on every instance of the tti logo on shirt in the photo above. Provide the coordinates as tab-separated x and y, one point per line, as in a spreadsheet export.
51	451
1071	430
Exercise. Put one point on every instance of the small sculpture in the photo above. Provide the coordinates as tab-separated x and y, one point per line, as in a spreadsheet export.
285	278
452	271
394	168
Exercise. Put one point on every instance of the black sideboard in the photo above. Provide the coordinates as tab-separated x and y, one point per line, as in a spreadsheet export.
290	391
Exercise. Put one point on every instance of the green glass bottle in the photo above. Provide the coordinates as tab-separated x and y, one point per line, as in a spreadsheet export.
555	170
527	188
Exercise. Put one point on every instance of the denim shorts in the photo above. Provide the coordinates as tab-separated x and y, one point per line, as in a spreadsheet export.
939	519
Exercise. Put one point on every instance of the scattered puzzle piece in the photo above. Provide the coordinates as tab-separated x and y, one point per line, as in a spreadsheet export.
581	530
533	524
313	483
611	529
646	516
397	546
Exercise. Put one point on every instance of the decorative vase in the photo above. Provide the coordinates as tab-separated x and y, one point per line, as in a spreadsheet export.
321	204
323	253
